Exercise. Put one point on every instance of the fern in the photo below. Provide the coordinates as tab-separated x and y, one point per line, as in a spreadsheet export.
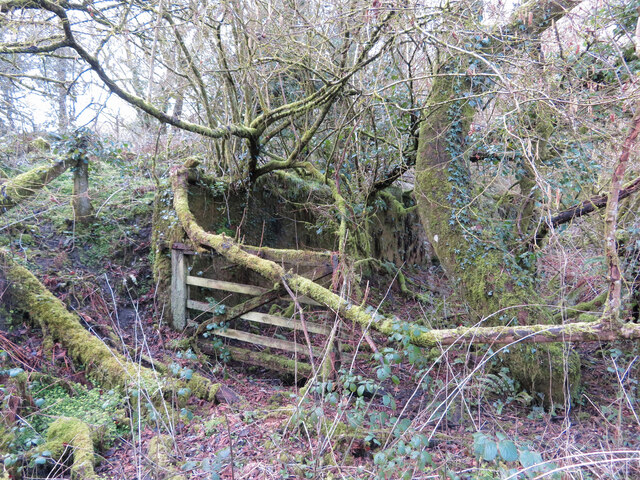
504	387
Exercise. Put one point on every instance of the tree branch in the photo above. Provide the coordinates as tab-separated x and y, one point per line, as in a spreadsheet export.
572	332
220	132
31	48
584	208
25	185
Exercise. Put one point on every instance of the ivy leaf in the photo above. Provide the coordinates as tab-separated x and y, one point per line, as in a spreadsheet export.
479	440
190	465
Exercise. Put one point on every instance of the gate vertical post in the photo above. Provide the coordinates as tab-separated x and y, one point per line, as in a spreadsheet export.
178	289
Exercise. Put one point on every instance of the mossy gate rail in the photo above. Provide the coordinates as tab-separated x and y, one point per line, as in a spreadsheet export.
321	337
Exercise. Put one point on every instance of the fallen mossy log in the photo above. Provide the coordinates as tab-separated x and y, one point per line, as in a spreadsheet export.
72	435
107	367
19	188
225	246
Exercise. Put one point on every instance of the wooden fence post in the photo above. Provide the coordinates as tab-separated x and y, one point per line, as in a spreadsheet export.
178	289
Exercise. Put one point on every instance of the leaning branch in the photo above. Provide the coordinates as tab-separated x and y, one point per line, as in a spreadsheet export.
614	300
585	208
25	185
220	132
225	246
28	294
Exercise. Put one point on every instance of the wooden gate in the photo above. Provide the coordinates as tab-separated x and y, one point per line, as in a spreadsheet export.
318	327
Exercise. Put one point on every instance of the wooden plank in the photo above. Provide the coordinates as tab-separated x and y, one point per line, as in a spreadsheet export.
182	247
292	323
178	290
225	286
285	345
239	288
268	360
262	318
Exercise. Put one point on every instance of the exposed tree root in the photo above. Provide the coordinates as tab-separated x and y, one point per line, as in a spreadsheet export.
106	366
225	246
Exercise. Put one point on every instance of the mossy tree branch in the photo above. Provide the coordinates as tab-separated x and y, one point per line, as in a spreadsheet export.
25	185
225	246
24	290
71	434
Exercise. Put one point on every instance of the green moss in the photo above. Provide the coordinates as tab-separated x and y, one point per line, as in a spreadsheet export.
202	387
93	406
26	239
25	185
159	449
166	231
39	145
6	437
495	287
587	317
72	434
540	368
106	367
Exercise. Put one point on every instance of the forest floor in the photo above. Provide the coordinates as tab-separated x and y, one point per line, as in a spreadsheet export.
441	415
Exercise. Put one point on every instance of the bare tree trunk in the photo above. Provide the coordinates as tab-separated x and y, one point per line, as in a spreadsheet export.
81	203
62	93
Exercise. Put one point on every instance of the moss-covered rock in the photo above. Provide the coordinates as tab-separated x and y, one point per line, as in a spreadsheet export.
550	370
